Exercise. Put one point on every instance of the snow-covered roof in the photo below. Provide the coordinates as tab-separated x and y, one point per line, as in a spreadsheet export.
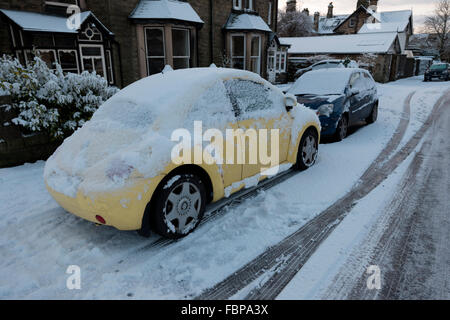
39	22
327	25
353	43
246	21
165	9
392	21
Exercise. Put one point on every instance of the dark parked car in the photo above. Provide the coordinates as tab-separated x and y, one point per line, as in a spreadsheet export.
341	97
438	71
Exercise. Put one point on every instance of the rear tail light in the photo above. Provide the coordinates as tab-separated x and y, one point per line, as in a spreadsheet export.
100	219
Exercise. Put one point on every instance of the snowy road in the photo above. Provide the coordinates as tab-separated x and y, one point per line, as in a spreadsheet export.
38	240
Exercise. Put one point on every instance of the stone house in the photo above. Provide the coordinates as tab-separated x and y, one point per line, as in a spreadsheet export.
377	40
127	40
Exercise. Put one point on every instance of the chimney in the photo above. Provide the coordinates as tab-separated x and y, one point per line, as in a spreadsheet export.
316	21
373	4
306	11
291	6
330	10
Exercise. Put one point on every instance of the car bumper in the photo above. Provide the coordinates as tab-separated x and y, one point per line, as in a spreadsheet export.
329	125
122	209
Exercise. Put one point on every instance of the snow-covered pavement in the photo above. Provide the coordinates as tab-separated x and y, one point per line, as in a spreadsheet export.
39	240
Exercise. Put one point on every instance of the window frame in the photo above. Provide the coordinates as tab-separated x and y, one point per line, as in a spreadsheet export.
244	46
188	57
102	51
259	52
76	58
352	22
110	72
147	56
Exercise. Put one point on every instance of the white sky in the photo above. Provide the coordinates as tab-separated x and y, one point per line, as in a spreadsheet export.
420	8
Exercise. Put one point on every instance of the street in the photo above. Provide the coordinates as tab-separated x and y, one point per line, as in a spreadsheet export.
380	198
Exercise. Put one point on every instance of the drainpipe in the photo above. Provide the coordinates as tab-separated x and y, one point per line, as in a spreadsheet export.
120	61
211	34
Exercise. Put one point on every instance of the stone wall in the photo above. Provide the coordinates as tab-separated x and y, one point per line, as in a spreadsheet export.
17	147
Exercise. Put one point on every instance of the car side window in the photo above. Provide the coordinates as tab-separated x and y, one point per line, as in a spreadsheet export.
250	99
213	106
354	79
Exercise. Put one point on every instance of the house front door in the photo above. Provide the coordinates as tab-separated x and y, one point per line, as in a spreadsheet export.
271	74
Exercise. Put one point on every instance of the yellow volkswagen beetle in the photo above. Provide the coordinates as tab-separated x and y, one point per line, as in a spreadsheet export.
156	153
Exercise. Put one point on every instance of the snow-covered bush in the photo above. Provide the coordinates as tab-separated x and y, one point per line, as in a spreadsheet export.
48	100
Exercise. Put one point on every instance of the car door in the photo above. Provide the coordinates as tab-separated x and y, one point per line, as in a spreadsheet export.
221	119
260	107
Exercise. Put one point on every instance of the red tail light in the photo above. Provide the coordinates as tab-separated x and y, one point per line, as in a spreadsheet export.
100	219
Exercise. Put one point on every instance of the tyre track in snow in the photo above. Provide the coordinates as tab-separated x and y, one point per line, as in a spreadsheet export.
413	252
337	212
302	243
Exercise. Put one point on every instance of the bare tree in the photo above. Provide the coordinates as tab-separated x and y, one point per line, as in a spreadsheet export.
439	24
294	24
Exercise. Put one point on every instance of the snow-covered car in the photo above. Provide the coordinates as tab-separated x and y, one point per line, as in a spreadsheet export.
341	97
438	71
326	64
124	168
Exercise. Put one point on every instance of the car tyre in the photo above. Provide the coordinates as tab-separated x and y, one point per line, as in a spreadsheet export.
179	206
373	115
342	128
307	150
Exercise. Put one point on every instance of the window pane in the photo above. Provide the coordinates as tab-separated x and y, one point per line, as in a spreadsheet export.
180	42
155	65
99	67
48	57
155	42
87	64
237	63
255	46
180	63
238	45
68	60
91	51
254	66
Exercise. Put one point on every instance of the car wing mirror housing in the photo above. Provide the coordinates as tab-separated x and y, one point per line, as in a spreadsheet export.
290	101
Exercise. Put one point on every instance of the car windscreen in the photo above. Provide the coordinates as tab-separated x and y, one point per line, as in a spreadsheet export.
438	67
320	83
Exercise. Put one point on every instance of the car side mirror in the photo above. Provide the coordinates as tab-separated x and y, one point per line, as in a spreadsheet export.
290	101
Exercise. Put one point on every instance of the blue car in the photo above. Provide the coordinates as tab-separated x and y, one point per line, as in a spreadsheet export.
341	98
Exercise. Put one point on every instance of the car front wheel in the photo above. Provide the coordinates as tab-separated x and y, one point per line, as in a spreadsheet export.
180	206
342	129
308	150
374	115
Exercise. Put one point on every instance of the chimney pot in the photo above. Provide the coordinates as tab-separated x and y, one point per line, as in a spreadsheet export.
330	10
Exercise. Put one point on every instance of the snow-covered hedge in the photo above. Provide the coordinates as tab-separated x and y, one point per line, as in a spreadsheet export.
48	100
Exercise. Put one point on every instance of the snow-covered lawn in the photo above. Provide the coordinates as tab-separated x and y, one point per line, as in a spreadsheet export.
39	240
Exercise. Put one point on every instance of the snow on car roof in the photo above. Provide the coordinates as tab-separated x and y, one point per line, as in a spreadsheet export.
353	43
323	82
165	9
33	21
246	21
